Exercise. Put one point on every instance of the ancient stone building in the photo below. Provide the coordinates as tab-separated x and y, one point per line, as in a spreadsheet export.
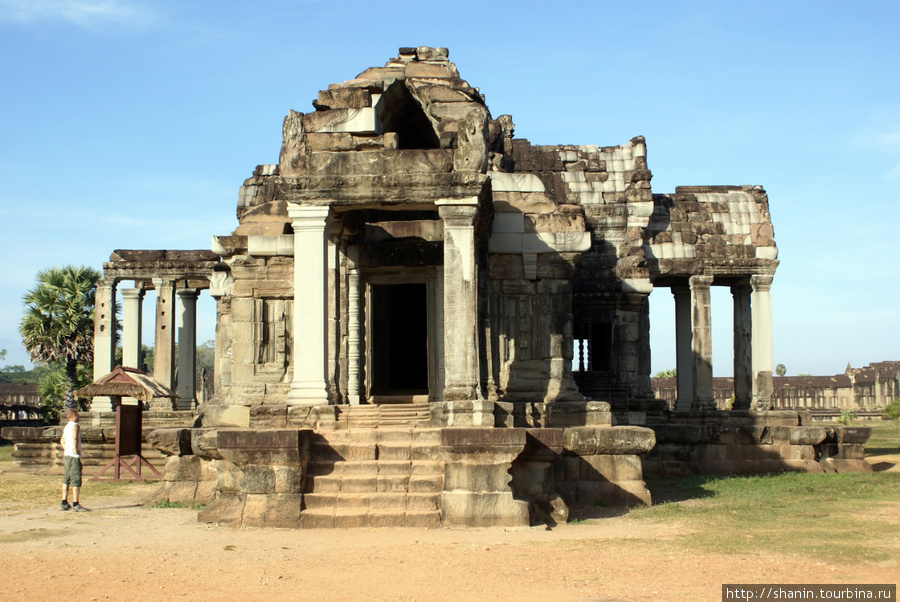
434	257
864	389
424	316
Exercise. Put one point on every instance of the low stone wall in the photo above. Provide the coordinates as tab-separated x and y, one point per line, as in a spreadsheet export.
36	448
733	442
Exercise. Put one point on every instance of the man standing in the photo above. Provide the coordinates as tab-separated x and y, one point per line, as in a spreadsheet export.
71	444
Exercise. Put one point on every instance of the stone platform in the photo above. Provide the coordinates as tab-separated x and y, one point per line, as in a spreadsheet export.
411	475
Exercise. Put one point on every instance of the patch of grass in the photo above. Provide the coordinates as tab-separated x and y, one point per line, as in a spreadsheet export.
230	548
885	438
6	453
843	517
578	521
26	491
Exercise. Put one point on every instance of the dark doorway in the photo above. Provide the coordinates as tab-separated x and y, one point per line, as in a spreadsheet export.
399	339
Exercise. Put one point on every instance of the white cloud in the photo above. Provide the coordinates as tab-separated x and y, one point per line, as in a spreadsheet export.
88	14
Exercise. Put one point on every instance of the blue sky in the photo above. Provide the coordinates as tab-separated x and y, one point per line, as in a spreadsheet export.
131	124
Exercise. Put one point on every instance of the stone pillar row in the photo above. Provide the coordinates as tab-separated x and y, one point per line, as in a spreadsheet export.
752	344
174	311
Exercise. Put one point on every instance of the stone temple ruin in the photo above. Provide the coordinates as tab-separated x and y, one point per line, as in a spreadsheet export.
423	320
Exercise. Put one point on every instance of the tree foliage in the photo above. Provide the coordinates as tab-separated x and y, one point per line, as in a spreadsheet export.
892	412
670	373
780	370
58	324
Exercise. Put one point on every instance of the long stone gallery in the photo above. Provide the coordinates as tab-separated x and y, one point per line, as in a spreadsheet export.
423	320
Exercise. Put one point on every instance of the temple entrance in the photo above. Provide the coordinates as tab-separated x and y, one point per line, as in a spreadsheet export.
399	343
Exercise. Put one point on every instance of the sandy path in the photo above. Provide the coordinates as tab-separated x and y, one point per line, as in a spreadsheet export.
121	551
124	551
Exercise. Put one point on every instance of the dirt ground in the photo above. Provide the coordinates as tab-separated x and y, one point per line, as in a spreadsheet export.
124	551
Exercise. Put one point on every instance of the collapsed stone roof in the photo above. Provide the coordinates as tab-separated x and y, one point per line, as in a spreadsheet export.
401	136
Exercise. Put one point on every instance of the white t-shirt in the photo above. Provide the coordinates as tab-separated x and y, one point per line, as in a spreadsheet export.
72	440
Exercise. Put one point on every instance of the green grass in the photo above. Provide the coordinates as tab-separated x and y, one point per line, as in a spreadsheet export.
843	517
885	437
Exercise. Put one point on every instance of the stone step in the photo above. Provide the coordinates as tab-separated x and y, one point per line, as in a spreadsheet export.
418	502
375	483
343	518
381	416
372	444
370	467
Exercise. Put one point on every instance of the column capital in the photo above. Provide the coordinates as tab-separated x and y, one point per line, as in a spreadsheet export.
159	281
308	217
188	293
700	282
761	282
458	213
133	293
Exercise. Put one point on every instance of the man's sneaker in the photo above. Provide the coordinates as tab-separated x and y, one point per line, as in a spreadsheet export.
65	506
78	507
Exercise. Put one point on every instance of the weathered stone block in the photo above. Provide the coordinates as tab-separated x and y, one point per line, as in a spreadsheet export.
578	414
483	509
588	441
257	479
480	476
612	468
186	468
855	434
181	492
288	479
268	416
808	435
172	442
532	478
225	415
226	509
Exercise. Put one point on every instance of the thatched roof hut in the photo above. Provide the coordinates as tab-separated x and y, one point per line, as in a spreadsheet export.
127	382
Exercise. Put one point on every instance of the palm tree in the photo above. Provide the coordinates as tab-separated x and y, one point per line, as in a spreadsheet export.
58	325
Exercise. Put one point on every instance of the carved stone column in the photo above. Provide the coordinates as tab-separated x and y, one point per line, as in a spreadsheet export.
310	356
460	299
187	349
743	347
437	390
104	337
762	341
684	357
353	336
701	343
132	323
164	349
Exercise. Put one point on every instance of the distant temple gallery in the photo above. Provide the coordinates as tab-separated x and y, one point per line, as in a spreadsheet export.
424	320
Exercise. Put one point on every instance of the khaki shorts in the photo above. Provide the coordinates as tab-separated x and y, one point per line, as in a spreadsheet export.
72	474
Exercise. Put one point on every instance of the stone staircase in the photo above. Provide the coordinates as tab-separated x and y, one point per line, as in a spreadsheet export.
380	416
389	476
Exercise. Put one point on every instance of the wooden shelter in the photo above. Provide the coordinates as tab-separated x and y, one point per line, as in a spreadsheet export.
128	382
